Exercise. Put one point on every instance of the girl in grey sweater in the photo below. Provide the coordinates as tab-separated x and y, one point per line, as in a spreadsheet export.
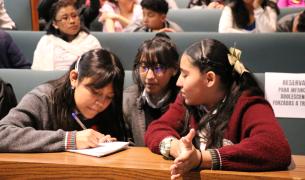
45	120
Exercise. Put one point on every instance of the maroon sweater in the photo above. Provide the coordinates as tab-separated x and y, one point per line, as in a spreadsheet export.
259	142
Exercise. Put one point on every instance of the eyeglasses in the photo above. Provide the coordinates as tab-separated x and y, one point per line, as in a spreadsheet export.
157	69
65	18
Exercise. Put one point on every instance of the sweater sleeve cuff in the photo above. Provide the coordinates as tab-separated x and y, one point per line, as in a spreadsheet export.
216	159
70	140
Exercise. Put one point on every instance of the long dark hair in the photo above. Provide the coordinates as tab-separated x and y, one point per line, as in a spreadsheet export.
53	12
103	67
212	55
158	50
301	22
241	14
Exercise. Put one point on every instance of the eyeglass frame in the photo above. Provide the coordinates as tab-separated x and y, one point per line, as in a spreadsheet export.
157	69
67	17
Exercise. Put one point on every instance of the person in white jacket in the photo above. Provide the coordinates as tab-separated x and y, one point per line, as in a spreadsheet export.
249	16
66	39
5	21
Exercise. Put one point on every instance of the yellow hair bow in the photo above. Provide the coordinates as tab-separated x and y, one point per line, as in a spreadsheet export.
234	59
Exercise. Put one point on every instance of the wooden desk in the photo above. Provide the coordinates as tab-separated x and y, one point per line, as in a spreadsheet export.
133	163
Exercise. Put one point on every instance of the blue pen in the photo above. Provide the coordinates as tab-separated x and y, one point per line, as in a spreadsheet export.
78	121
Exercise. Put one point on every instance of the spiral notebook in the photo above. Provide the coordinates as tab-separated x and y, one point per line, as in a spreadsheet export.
103	149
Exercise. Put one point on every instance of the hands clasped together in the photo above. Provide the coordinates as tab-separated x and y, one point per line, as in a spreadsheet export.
187	158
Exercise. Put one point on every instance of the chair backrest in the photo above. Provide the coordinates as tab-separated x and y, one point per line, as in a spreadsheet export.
26	41
196	20
21	13
24	80
182	3
260	52
285	11
268	52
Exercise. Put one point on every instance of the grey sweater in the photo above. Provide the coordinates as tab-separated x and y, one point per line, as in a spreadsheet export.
29	127
136	118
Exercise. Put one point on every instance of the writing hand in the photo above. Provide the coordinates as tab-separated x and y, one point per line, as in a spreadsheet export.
188	158
88	138
107	138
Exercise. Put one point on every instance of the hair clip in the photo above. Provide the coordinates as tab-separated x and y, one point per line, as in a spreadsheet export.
234	60
77	64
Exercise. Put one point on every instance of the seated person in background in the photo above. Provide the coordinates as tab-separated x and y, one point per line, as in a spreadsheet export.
292	23
118	14
45	120
202	4
66	39
290	3
154	18
249	16
11	56
220	120
155	73
5	21
86	12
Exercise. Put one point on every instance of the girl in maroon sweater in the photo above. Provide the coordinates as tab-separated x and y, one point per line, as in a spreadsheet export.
220	120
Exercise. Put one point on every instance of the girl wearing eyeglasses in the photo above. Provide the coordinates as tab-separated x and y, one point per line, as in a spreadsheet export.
66	39
78	110
220	120
155	72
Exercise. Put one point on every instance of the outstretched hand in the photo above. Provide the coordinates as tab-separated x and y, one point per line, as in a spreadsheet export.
188	158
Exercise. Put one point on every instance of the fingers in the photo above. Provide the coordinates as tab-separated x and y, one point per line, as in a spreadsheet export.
107	138
176	172
90	138
187	140
191	135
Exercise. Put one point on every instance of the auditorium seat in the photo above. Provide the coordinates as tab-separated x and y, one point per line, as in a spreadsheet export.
268	52
285	11
196	20
182	3
24	80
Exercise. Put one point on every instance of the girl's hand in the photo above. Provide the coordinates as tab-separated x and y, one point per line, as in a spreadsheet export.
107	138
188	158
257	3
88	138
166	30
107	15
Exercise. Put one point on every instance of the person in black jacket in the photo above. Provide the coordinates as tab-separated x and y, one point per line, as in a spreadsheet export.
7	98
87	13
11	56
